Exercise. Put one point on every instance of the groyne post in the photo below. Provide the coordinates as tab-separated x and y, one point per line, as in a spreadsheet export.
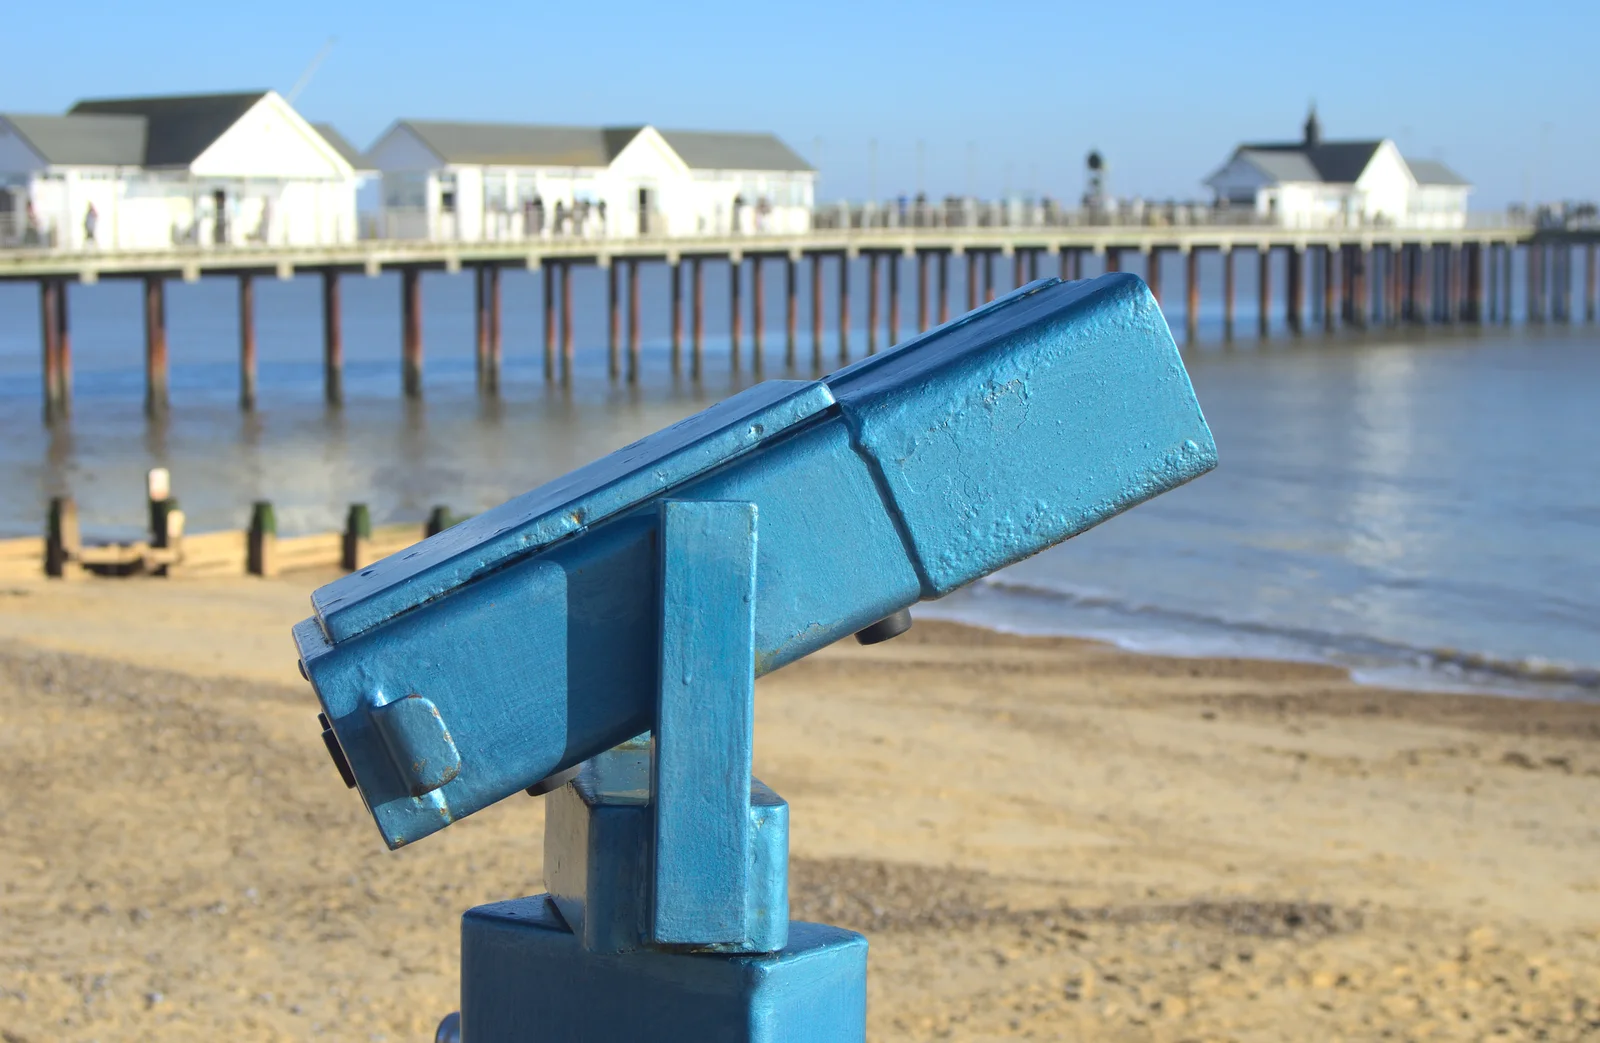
247	342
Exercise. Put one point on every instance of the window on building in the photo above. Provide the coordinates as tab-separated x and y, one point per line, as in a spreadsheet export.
405	190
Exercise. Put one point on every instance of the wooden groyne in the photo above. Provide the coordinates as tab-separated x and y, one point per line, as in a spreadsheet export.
168	550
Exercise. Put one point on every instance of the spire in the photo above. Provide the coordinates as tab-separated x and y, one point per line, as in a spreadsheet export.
1313	128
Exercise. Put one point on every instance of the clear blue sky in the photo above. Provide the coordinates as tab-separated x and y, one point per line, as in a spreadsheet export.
1000	96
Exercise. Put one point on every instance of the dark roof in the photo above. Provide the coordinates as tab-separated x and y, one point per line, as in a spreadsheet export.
341	145
719	150
179	128
523	144
1433	172
520	144
1282	166
89	141
1336	162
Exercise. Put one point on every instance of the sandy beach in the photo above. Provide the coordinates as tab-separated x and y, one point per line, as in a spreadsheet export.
1043	839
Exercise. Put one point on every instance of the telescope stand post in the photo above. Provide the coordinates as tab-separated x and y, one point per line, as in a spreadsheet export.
666	863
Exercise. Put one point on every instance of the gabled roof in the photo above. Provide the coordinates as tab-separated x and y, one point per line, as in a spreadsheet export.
82	141
536	145
341	145
1281	166
1334	162
720	150
1433	172
178	128
520	144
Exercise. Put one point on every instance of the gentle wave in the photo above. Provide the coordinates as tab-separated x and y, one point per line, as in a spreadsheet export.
1032	608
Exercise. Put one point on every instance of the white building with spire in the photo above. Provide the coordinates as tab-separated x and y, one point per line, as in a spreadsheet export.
1316	183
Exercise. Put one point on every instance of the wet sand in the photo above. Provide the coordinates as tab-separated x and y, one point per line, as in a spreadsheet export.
1044	839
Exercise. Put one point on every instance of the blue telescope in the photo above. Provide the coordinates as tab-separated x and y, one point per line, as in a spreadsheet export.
645	592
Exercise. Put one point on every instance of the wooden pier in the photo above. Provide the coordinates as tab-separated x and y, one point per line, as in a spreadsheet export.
1366	277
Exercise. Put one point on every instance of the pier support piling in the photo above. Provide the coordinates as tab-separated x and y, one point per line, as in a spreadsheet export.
969	260
872	302
1113	259
1494	282
816	313
676	292
1591	283
1295	301
697	319
411	332
548	276
1227	293
1330	272
1264	291
613	324
50	342
157	398
988	275
1361	299
1019	269
894	298
1191	304
568	352
922	291
844	307
1152	273
634	318
735	310
758	315
791	317
1507	278
333	339
247	342
944	286
1535	303
489	360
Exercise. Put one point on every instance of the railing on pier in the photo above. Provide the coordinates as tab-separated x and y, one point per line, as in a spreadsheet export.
415	226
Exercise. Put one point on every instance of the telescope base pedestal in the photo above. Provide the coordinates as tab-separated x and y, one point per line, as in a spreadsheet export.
525	976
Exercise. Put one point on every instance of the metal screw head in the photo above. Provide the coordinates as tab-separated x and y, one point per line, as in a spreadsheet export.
449	1029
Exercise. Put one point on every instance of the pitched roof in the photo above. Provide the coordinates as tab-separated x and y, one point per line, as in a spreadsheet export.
88	141
521	144
178	128
1281	166
1335	162
341	145
721	150
1433	172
